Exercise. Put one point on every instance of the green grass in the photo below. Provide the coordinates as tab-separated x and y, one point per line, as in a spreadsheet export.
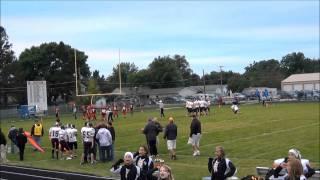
255	137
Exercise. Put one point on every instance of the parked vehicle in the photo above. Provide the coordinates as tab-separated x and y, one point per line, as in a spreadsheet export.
240	96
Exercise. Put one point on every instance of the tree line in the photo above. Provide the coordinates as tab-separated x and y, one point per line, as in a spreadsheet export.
54	62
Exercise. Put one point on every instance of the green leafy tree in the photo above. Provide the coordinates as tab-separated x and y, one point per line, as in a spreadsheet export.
127	69
264	73
184	68
293	63
54	63
165	73
7	68
238	82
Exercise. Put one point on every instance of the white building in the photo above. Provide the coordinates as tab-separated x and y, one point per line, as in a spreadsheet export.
301	82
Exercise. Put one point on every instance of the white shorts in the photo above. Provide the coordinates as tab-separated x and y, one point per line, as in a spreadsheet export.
196	139
171	144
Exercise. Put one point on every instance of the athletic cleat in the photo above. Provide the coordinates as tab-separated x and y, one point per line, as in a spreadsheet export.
198	153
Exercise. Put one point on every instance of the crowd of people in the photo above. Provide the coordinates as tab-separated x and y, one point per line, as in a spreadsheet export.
145	163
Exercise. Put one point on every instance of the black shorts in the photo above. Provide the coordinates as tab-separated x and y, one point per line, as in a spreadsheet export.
87	148
73	144
202	109
55	143
189	110
63	146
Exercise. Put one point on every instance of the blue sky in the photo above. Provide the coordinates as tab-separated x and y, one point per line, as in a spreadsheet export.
232	34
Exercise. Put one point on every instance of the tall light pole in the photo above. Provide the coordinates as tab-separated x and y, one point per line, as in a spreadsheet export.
221	78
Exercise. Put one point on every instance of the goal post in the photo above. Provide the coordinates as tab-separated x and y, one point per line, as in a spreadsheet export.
95	94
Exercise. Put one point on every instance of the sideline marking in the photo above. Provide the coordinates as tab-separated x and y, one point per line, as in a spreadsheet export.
44	170
15	173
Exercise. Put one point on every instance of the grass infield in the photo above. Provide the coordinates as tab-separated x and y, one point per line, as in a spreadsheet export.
255	137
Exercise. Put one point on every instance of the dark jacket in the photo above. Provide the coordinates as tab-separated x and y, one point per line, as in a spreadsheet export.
224	169
195	127
21	140
159	127
171	132
2	139
151	131
132	172
113	133
13	132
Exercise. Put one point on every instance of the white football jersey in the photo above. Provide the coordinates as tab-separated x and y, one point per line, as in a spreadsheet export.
72	134
63	136
54	132
87	134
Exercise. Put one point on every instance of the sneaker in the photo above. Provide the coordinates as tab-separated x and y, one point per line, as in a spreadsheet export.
198	153
68	158
195	153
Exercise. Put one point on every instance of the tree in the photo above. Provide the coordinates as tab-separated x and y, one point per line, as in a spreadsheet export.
238	82
184	68
293	63
140	78
127	69
54	63
7	66
164	73
215	77
101	82
264	73
311	65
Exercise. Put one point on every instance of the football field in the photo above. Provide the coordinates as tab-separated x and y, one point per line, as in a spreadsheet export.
255	137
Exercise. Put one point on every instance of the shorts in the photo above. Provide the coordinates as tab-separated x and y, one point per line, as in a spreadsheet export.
73	144
64	146
189	110
87	148
196	139
55	143
202	109
171	144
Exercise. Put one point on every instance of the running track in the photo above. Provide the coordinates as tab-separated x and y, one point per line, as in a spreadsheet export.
11	172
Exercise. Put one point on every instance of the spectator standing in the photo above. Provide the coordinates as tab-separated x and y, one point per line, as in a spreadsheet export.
220	167
151	131
12	135
105	141
171	132
195	134
37	132
21	140
161	106
113	135
3	147
74	110
159	128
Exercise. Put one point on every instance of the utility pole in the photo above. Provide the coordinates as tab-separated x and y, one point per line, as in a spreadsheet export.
204	82
221	79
